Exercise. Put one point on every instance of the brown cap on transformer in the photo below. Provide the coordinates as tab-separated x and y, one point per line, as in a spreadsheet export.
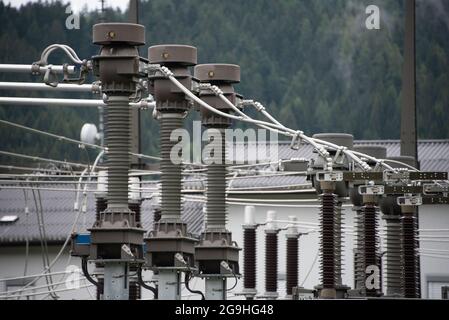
110	33
173	54
221	72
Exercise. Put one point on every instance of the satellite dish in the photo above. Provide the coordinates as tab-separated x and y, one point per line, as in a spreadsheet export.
89	133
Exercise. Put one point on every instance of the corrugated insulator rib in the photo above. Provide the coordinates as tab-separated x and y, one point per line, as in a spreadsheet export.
249	258
359	273
339	243
118	151
393	263
409	256
328	207
292	264
216	208
370	246
271	261
170	172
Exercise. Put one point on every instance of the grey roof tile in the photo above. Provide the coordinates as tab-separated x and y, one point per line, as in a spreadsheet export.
59	213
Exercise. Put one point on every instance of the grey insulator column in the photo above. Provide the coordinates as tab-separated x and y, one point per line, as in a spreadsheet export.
170	172
116	237
216	208
118	151
217	253
170	248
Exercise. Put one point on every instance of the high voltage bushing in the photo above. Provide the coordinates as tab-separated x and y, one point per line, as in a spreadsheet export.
271	257
366	223
249	254
402	230
391	213
170	236
331	216
411	279
216	245
292	237
117	237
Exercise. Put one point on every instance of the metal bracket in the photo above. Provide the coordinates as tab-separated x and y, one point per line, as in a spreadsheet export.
329	176
409	200
375	190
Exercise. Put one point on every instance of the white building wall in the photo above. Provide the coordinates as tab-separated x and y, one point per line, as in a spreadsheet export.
12	259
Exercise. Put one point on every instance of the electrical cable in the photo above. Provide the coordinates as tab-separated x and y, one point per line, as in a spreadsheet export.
235	284
187	278
86	272
144	285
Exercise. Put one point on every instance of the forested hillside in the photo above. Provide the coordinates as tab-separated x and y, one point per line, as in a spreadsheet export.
312	63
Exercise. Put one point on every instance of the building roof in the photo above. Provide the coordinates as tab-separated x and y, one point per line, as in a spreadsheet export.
59	213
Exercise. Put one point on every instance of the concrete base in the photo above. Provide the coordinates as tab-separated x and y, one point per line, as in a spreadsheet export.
116	281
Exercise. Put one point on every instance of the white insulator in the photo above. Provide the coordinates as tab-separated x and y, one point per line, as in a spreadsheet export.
250	215
102	181
292	229
134	188
271	220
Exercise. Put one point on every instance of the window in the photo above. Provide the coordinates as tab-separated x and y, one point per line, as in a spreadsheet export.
437	290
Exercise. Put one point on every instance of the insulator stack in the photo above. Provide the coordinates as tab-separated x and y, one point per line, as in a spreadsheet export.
359	272
249	259
292	263
170	172
339	243
271	261
393	264
370	245
328	258
216	208
409	256
118	151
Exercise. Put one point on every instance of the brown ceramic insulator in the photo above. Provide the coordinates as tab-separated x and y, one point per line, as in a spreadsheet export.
409	257
249	258
359	273
328	207
271	261
393	249
292	264
370	244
